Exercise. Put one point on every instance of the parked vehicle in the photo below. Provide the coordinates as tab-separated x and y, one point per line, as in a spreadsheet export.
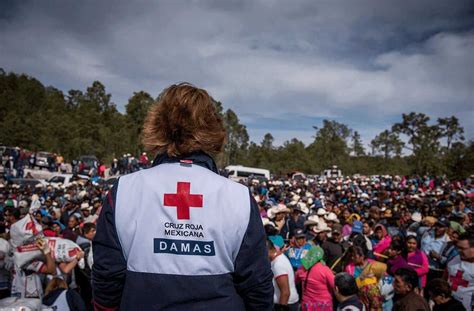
64	179
298	176
242	173
43	159
333	173
25	182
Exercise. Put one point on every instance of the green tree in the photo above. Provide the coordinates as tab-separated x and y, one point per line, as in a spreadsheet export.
267	142
330	145
451	129
98	97
137	107
424	139
292	156
388	144
459	160
237	138
136	110
357	147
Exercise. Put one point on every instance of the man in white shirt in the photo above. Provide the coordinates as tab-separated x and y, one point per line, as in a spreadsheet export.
433	243
285	295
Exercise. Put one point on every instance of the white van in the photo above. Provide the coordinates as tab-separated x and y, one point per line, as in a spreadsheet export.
241	173
63	179
332	173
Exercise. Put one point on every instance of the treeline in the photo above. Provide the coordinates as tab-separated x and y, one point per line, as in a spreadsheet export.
81	122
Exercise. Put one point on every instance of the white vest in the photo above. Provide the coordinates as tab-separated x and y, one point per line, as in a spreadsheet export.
461	279
181	219
60	304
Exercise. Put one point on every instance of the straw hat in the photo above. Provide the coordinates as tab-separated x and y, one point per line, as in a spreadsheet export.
331	217
321	227
312	220
280	208
321	211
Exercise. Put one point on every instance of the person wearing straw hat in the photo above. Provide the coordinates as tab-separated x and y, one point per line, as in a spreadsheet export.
331	219
321	230
86	213
296	219
309	224
278	215
317	281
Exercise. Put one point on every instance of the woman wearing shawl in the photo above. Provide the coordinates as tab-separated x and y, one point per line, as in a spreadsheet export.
397	257
417	259
368	274
317	281
382	240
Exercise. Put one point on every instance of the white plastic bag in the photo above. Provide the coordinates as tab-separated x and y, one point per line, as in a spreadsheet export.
62	250
25	231
4	247
24	254
20	304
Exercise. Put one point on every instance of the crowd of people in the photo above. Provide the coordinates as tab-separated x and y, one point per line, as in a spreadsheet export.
128	164
68	213
381	243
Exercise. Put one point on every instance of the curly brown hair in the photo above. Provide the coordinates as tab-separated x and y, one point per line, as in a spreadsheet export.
183	120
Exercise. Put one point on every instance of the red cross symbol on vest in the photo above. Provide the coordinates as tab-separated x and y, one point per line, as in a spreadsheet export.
183	200
457	280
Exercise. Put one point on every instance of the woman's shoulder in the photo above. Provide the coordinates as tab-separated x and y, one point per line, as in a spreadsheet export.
321	268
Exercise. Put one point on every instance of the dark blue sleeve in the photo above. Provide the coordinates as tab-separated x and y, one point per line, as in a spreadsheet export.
109	269
75	301
253	275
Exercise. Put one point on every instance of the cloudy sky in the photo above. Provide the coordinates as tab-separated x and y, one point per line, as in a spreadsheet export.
282	66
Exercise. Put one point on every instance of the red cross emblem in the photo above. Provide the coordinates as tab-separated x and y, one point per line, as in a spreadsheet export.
31	226
183	200
457	280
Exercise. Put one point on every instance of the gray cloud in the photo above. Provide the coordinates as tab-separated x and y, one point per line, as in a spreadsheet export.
360	62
